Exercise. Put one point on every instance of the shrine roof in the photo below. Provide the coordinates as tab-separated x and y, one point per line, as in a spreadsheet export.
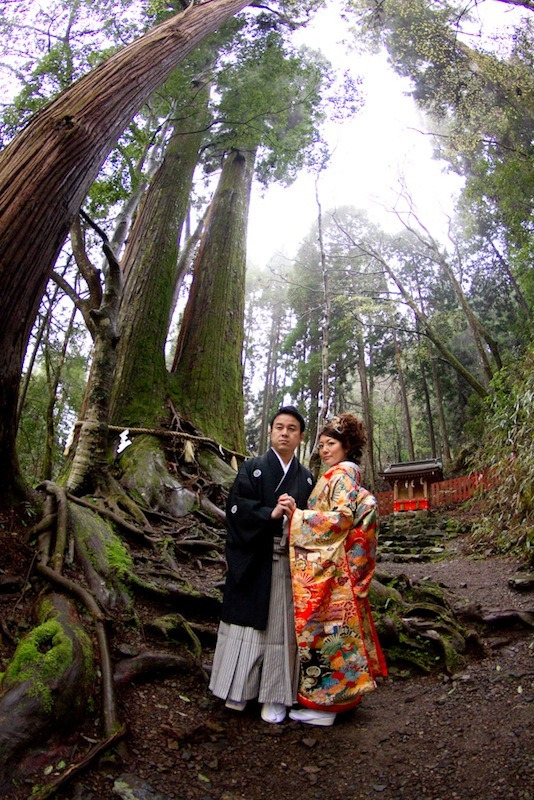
431	468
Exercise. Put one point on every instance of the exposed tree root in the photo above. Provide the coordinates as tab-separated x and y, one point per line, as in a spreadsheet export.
148	663
61	523
34	698
141	534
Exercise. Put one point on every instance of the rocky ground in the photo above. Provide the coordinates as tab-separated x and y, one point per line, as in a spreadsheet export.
467	736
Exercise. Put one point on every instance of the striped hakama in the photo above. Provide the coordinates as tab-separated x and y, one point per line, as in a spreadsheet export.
250	663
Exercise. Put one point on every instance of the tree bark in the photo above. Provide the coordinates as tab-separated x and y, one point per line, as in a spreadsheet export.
50	691
428	407
58	155
404	396
366	406
325	324
441	415
89	469
208	382
269	386
150	267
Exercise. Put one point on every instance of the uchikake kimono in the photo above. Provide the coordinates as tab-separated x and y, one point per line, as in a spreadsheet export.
332	554
250	534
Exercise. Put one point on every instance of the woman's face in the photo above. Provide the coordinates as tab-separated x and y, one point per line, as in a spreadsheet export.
331	450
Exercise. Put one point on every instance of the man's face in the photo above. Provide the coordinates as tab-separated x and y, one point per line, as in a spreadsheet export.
286	435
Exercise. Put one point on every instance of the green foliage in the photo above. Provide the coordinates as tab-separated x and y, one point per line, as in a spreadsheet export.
49	46
41	409
481	101
507	449
270	97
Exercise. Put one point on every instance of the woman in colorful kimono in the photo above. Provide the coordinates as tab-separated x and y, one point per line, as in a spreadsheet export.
332	555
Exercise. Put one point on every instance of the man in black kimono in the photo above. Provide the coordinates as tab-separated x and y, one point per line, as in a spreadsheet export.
256	655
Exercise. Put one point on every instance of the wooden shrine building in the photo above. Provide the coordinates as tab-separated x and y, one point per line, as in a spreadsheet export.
411	481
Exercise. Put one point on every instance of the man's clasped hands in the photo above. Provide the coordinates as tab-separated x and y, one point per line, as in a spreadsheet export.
285	505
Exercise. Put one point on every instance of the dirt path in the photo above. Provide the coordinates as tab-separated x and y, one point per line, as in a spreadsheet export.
468	737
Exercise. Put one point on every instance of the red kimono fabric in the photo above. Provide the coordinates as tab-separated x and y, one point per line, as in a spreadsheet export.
332	554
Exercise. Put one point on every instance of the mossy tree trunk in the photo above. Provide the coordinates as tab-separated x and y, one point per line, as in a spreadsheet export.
150	266
46	172
208	380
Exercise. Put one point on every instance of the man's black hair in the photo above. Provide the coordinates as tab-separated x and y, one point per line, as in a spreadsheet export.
293	412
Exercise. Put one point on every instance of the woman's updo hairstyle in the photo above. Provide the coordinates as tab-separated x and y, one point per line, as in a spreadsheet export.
348	430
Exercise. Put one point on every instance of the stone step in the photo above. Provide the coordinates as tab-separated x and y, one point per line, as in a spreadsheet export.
404	551
415	544
404	557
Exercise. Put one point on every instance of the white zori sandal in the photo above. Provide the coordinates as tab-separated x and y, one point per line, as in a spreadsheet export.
312	716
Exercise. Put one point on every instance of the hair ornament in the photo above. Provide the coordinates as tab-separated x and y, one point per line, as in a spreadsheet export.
337	424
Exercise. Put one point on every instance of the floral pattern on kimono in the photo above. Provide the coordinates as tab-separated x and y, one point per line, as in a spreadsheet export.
332	553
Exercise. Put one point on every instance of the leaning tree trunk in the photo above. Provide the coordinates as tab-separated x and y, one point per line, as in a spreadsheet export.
208	381
54	376
429	330
150	267
46	172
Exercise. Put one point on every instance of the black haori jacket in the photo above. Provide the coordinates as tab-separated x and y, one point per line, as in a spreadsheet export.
250	533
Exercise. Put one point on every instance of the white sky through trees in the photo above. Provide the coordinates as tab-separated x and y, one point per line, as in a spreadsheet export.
385	144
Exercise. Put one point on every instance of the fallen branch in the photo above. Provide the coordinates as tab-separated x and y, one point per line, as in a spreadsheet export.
75	769
510	616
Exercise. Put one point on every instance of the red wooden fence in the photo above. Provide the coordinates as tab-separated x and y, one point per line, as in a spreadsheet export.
444	493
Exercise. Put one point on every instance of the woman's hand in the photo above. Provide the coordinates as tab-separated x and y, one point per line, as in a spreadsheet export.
278	511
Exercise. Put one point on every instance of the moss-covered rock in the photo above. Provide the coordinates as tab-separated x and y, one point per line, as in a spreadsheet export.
217	469
145	475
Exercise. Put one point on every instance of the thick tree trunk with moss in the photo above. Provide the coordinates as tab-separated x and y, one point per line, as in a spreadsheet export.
150	267
46	172
208	381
